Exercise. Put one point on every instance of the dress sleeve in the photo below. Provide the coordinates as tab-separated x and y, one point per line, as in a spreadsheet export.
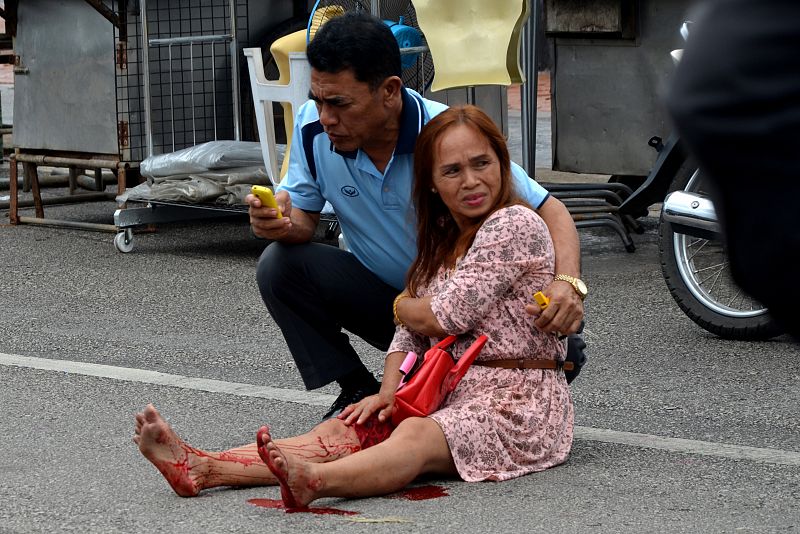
512	242
406	340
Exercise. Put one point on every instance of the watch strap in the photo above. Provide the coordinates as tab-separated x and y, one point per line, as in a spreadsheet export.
571	280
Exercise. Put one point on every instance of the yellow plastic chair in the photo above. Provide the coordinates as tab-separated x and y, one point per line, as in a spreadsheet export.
280	50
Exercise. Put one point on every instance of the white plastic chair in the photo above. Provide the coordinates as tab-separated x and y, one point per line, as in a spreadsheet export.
265	92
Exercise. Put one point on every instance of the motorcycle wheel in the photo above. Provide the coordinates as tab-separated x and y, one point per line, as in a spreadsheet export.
697	275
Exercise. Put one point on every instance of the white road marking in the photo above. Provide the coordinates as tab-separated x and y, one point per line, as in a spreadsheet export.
689	446
164	379
649	441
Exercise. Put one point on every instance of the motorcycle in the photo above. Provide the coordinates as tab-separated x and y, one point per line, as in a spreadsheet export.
692	252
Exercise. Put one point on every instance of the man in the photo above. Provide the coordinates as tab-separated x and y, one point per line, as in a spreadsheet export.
353	146
736	102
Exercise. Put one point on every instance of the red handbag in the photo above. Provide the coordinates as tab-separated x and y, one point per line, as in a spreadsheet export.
429	379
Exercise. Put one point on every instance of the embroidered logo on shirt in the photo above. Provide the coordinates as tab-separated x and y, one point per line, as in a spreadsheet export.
349	191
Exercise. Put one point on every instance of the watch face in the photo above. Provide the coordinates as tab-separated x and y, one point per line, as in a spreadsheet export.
581	286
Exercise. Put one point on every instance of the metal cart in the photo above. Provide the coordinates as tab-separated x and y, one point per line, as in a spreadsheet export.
130	79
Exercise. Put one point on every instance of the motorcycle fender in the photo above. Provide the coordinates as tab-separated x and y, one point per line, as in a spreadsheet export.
692	214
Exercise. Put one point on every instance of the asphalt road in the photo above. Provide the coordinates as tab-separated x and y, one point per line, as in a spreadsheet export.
679	431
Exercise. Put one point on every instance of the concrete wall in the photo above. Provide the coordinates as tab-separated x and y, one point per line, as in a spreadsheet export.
608	90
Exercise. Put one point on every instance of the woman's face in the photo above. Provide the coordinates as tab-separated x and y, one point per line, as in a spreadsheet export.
466	173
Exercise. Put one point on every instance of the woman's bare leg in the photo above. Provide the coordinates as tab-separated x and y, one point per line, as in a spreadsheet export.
189	470
416	447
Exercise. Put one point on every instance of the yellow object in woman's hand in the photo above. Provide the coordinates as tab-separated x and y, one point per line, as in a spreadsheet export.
541	299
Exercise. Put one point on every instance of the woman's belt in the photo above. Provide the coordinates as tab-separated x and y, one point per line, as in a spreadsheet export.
523	363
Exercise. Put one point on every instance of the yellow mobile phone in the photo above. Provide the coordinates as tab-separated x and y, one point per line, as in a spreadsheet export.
541	300
266	197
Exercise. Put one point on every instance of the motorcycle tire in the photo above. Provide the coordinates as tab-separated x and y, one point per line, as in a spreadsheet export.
697	275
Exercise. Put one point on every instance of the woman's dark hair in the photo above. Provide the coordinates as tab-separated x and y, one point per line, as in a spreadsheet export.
439	239
357	41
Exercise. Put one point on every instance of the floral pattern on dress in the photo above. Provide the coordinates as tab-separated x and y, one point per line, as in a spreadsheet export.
500	423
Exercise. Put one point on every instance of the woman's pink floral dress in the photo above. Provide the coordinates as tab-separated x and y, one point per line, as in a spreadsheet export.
500	423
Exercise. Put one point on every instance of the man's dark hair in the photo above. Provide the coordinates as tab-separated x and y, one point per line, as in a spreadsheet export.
357	41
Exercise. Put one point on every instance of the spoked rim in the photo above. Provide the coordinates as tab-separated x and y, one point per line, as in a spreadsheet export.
703	265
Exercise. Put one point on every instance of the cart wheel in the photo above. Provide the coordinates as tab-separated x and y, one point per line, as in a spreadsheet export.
124	241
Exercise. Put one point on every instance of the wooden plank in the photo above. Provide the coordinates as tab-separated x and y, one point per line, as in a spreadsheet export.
583	16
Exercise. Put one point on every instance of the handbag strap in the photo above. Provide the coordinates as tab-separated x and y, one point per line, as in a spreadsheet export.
463	363
445	343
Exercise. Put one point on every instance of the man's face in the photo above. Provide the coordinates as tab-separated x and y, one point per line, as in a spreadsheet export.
352	115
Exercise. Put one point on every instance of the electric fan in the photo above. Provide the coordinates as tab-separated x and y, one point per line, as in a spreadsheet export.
401	18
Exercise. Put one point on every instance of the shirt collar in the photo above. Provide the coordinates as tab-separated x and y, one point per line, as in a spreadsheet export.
410	123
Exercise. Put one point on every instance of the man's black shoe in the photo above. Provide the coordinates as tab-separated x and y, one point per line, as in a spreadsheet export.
348	397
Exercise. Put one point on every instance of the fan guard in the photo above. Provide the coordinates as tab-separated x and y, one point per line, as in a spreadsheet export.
402	19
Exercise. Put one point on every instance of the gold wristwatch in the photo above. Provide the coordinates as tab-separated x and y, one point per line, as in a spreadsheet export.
577	284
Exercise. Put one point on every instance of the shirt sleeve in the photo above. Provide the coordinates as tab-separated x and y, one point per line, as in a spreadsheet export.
512	242
303	188
528	188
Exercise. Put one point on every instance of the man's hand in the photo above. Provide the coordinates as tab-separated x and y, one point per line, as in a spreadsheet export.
564	313
265	221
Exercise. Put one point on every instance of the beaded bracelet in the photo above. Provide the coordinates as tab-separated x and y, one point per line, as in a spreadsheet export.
397	299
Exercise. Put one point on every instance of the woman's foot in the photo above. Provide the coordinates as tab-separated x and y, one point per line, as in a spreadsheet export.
183	466
299	485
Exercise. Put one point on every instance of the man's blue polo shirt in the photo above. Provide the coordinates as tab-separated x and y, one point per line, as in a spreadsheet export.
374	209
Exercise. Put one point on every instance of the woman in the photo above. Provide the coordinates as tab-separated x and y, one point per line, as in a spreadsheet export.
482	253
